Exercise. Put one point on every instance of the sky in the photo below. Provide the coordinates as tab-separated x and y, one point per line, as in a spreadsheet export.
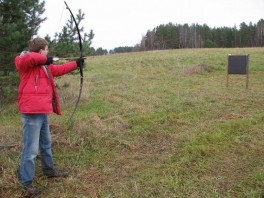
118	23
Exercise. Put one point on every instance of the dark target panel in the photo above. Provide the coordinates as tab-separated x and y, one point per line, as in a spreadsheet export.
237	64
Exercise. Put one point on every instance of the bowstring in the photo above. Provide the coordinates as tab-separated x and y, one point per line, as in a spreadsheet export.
62	11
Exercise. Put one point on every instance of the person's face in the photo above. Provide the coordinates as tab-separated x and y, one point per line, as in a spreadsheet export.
45	51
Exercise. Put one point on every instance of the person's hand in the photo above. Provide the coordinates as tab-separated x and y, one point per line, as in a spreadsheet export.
49	60
80	62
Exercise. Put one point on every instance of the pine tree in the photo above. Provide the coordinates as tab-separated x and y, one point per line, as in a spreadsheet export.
66	43
19	22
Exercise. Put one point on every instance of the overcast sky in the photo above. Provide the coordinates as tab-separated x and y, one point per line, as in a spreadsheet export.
123	22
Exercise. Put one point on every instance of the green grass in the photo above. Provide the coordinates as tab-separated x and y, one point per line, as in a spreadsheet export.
152	124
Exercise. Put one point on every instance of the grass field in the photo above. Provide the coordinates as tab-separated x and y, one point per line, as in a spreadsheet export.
152	124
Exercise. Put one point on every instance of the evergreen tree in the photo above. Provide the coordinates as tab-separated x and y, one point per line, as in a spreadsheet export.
101	51
66	43
19	21
245	34
260	33
125	49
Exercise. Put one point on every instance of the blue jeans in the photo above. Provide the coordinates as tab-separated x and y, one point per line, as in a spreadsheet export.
36	137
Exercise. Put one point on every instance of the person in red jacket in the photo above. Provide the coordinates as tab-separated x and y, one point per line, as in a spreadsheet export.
37	97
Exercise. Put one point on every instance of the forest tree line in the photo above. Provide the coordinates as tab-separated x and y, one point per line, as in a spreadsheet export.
175	36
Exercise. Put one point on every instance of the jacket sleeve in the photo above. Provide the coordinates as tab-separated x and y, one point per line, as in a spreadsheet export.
29	60
59	70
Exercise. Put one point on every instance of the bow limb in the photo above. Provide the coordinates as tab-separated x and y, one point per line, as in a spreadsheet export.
81	66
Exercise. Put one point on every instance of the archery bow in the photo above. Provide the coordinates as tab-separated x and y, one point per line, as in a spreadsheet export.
81	66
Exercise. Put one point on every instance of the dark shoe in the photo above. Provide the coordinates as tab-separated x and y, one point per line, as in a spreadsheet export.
58	174
32	191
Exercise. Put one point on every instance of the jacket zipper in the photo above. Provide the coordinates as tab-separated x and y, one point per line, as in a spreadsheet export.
36	82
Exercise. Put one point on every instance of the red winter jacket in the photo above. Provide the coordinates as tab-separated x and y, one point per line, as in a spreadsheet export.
36	88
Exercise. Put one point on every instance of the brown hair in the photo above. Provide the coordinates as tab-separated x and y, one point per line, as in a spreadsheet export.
36	44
